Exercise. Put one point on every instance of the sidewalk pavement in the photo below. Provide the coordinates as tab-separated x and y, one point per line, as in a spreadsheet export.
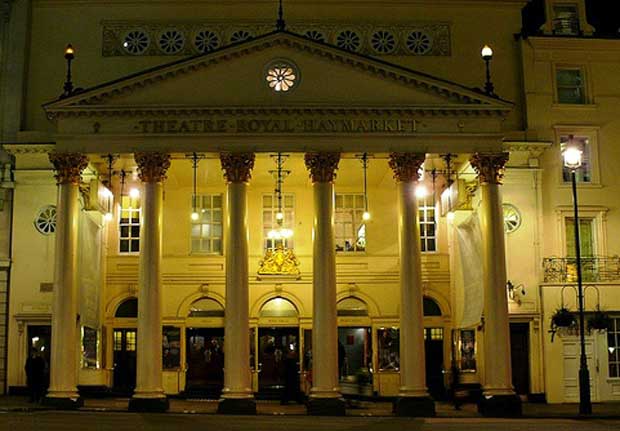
609	410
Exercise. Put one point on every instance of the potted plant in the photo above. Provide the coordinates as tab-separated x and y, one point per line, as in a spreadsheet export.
562	318
599	321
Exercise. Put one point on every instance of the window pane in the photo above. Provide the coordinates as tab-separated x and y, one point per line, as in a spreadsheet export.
124	246
135	245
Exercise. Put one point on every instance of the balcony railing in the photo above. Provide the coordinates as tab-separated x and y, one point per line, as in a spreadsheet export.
598	269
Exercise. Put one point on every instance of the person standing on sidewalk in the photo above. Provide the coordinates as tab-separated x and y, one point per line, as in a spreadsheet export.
35	375
454	385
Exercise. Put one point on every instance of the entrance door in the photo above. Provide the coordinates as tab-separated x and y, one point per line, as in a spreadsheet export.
572	351
40	339
433	347
125	342
277	347
520	357
205	362
355	354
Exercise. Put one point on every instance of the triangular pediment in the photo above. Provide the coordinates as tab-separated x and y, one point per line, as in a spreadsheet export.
234	78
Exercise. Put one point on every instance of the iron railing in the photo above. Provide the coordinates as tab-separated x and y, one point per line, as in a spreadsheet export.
597	269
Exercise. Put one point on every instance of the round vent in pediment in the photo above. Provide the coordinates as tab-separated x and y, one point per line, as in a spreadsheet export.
136	42
383	42
349	39
206	40
419	42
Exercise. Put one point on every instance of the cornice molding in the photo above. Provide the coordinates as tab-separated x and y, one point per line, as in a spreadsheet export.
103	111
453	93
16	149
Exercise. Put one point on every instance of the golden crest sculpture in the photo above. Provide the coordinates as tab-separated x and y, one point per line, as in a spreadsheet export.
279	261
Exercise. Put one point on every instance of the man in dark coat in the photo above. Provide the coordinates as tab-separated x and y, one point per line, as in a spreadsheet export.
35	376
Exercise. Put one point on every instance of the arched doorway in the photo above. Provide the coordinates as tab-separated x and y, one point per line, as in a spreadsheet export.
354	346
125	343
205	349
434	350
278	350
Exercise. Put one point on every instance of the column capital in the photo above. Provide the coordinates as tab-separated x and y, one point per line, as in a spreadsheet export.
237	167
152	166
406	166
68	167
489	166
322	166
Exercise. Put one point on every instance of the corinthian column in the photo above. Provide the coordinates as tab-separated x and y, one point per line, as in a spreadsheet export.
149	393
237	395
325	397
64	356
413	398
498	398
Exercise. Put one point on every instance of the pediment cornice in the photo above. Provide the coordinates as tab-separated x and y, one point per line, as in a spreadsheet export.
99	100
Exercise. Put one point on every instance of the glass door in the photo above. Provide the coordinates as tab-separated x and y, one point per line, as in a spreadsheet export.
125	344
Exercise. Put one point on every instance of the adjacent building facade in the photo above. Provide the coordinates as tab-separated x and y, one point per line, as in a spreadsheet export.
226	194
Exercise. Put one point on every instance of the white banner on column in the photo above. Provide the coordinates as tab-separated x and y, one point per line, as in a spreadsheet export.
470	252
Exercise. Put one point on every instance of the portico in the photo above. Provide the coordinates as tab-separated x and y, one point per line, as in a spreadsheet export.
342	104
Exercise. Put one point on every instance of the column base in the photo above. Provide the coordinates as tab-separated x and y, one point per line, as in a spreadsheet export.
63	403
326	407
414	407
500	406
149	405
237	406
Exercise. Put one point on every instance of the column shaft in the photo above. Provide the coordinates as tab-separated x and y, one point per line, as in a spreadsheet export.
237	395
237	377
64	355
324	317
149	353
499	398
149	393
412	358
497	368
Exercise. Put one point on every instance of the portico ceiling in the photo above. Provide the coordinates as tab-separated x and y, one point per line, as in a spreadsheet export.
220	101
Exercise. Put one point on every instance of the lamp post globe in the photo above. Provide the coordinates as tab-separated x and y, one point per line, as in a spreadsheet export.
487	52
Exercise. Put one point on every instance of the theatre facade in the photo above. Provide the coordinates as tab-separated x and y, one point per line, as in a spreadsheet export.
194	225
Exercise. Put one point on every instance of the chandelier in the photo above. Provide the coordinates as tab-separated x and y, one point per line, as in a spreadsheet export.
279	232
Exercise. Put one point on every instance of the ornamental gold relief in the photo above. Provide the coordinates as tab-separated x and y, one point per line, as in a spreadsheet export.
237	167
322	166
152	167
68	167
406	166
489	166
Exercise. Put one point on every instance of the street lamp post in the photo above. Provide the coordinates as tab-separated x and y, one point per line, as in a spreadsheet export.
487	56
572	160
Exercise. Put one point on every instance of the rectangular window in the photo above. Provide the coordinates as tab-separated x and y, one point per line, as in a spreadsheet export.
613	347
389	348
270	222
583	173
349	222
207	229
566	20
468	350
587	239
130	341
428	226
118	341
129	225
570	85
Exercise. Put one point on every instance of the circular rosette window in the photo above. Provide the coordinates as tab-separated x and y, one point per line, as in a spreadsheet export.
45	220
282	76
512	218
